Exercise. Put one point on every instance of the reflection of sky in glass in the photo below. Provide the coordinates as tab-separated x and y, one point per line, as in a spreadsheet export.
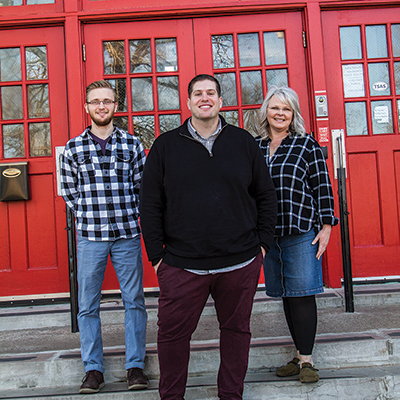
396	40
10	65
275	48
249	49
376	41
350	42
356	119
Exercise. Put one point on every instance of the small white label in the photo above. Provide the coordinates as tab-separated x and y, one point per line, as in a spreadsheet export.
380	86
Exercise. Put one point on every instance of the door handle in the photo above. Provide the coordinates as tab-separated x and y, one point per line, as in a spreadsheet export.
339	150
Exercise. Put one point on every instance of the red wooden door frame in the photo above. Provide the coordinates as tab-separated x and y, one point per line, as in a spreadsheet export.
372	160
33	240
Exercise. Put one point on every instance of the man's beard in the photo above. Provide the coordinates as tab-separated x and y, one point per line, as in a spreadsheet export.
101	122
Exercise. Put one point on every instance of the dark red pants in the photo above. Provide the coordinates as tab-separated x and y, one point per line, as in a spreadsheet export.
183	296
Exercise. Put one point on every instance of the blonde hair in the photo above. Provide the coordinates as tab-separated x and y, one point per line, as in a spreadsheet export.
288	96
99	85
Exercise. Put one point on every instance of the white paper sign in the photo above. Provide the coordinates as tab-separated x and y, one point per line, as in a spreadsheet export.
381	114
353	80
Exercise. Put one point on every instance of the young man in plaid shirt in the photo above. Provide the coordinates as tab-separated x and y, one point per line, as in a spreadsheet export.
101	170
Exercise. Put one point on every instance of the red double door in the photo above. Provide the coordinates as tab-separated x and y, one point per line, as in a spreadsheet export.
151	63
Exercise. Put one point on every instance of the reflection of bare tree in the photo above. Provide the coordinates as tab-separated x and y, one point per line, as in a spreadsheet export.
251	87
114	57
250	121
36	62
38	101
223	55
13	141
166	55
140	55
143	128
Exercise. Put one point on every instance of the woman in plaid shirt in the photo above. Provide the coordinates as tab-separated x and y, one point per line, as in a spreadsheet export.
305	218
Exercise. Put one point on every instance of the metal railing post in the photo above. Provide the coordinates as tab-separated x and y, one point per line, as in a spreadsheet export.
72	269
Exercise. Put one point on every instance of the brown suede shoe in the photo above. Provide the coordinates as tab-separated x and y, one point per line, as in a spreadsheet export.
93	381
308	374
137	380
290	369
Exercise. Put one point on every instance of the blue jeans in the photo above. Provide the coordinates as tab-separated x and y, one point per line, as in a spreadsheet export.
291	268
126	257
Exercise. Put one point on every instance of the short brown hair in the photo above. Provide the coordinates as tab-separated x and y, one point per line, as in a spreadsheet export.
99	85
204	77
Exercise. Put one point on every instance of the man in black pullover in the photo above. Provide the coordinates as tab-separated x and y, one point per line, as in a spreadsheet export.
208	214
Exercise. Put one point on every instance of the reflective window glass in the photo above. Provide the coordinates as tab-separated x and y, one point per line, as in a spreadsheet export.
114	57
38	101
251	85
350	42
143	128
140	55
231	117
356	119
168	92
353	80
397	76
169	122
13	141
166	55
277	77
376	41
396	40
249	49
222	49
10	64
120	88
250	121
228	88
142	94
6	3
382	121
11	102
39	139
36	62
379	82
275	48
28	2
122	122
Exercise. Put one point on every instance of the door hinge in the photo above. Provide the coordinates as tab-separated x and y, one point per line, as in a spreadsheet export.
304	39
84	52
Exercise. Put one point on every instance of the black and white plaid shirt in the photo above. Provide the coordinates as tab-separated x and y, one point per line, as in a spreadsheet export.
103	191
303	187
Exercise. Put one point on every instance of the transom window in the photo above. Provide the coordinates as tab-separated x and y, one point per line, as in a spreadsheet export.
5	3
371	78
24	102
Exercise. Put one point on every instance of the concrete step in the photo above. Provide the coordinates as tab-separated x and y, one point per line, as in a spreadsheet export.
43	360
370	383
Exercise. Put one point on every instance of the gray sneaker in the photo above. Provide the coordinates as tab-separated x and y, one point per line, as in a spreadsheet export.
93	381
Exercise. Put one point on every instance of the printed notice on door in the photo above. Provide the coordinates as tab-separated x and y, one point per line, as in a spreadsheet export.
353	80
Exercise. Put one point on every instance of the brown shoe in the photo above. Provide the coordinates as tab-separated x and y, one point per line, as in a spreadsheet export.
93	381
137	380
308	374
290	369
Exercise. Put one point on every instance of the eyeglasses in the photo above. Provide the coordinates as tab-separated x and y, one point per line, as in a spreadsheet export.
284	110
106	102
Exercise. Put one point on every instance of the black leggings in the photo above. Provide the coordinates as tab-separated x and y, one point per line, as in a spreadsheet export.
301	317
